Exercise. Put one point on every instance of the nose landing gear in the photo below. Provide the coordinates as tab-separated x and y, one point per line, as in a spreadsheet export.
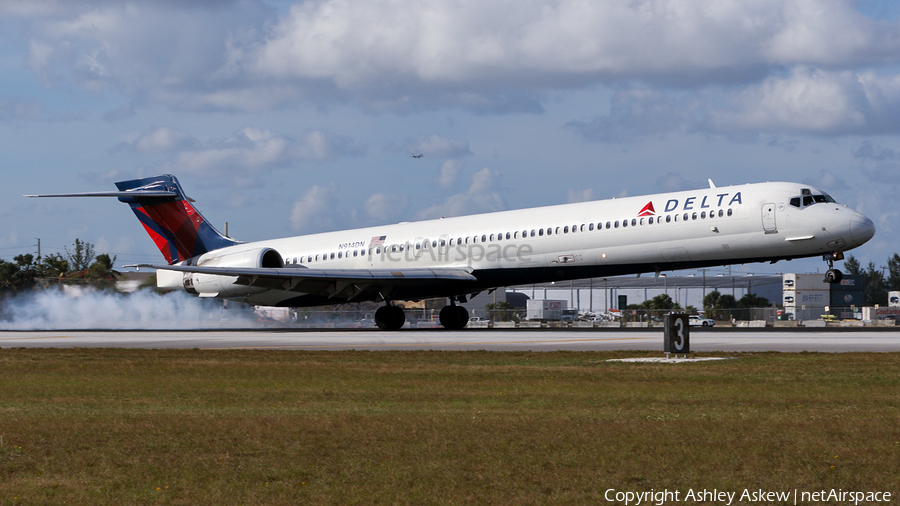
833	275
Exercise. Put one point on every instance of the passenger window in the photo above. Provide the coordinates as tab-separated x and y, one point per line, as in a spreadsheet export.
549	230
668	218
492	237
484	238
703	215
541	232
650	220
557	230
532	232
591	226
617	223
340	254
633	222
566	230
685	217
729	212
443	242
720	213
693	216
458	241
608	224
624	223
507	235
434	244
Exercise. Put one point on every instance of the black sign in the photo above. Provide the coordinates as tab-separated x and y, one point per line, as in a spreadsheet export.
677	335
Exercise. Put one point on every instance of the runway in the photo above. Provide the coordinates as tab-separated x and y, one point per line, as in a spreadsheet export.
829	341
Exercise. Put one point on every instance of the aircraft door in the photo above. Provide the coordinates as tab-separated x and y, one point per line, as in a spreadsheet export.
768	218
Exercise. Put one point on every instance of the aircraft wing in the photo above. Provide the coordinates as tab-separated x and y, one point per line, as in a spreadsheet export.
347	284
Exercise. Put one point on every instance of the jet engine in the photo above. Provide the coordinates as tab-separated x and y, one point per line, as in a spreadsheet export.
212	285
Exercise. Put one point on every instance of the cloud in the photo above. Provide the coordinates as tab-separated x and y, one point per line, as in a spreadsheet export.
487	57
673	182
248	153
483	195
314	211
381	208
449	171
805	101
161	140
436	146
583	195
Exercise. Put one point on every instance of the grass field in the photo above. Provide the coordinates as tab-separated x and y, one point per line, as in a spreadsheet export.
290	427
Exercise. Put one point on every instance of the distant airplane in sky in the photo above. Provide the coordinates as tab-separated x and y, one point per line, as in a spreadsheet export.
460	257
416	156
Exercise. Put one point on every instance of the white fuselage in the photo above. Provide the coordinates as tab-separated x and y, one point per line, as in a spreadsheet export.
713	226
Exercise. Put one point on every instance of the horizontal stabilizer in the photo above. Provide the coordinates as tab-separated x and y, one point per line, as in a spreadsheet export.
134	193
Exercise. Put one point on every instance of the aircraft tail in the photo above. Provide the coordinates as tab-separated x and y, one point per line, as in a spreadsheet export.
178	229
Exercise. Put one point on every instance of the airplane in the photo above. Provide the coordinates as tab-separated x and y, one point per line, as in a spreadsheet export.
459	257
416	156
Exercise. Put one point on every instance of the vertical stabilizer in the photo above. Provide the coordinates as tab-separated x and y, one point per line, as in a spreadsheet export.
178	229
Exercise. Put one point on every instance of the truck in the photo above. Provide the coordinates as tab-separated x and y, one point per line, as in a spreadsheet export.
545	310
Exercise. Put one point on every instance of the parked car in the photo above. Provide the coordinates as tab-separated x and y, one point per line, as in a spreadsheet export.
699	321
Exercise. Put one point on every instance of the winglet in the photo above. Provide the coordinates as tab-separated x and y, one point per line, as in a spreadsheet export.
711	184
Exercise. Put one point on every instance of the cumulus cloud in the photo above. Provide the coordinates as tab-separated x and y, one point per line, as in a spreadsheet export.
160	140
315	210
248	153
482	196
438	146
483	56
805	101
383	208
449	170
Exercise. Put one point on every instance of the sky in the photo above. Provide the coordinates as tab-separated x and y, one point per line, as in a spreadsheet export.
286	118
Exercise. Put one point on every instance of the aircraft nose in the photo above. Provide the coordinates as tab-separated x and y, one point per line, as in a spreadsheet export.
861	228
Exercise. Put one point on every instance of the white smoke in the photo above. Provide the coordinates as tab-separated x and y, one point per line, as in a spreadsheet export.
77	307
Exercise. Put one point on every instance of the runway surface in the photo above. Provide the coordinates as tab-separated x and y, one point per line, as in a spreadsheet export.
507	340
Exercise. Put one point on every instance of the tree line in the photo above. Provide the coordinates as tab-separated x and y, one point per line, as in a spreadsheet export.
879	280
80	264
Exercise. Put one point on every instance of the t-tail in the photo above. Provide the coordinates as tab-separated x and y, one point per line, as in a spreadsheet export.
178	229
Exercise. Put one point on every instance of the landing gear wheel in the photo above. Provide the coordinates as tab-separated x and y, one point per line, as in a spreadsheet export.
833	276
463	315
390	317
454	317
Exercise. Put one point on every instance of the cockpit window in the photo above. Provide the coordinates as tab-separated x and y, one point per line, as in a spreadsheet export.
809	200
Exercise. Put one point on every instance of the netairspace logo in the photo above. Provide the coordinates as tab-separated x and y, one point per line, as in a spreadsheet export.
746	496
77	307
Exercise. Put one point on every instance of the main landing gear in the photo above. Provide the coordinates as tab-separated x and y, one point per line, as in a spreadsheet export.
390	317
833	275
454	317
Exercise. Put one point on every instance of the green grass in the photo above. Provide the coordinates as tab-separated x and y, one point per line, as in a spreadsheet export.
291	427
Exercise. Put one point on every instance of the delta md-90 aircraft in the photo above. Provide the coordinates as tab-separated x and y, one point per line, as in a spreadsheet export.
460	257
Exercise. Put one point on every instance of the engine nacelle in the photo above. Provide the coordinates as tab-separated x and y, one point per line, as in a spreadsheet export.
211	285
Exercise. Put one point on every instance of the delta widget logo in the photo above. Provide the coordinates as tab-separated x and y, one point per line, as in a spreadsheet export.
648	210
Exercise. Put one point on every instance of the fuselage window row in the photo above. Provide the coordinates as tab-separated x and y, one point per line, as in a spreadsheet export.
424	243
